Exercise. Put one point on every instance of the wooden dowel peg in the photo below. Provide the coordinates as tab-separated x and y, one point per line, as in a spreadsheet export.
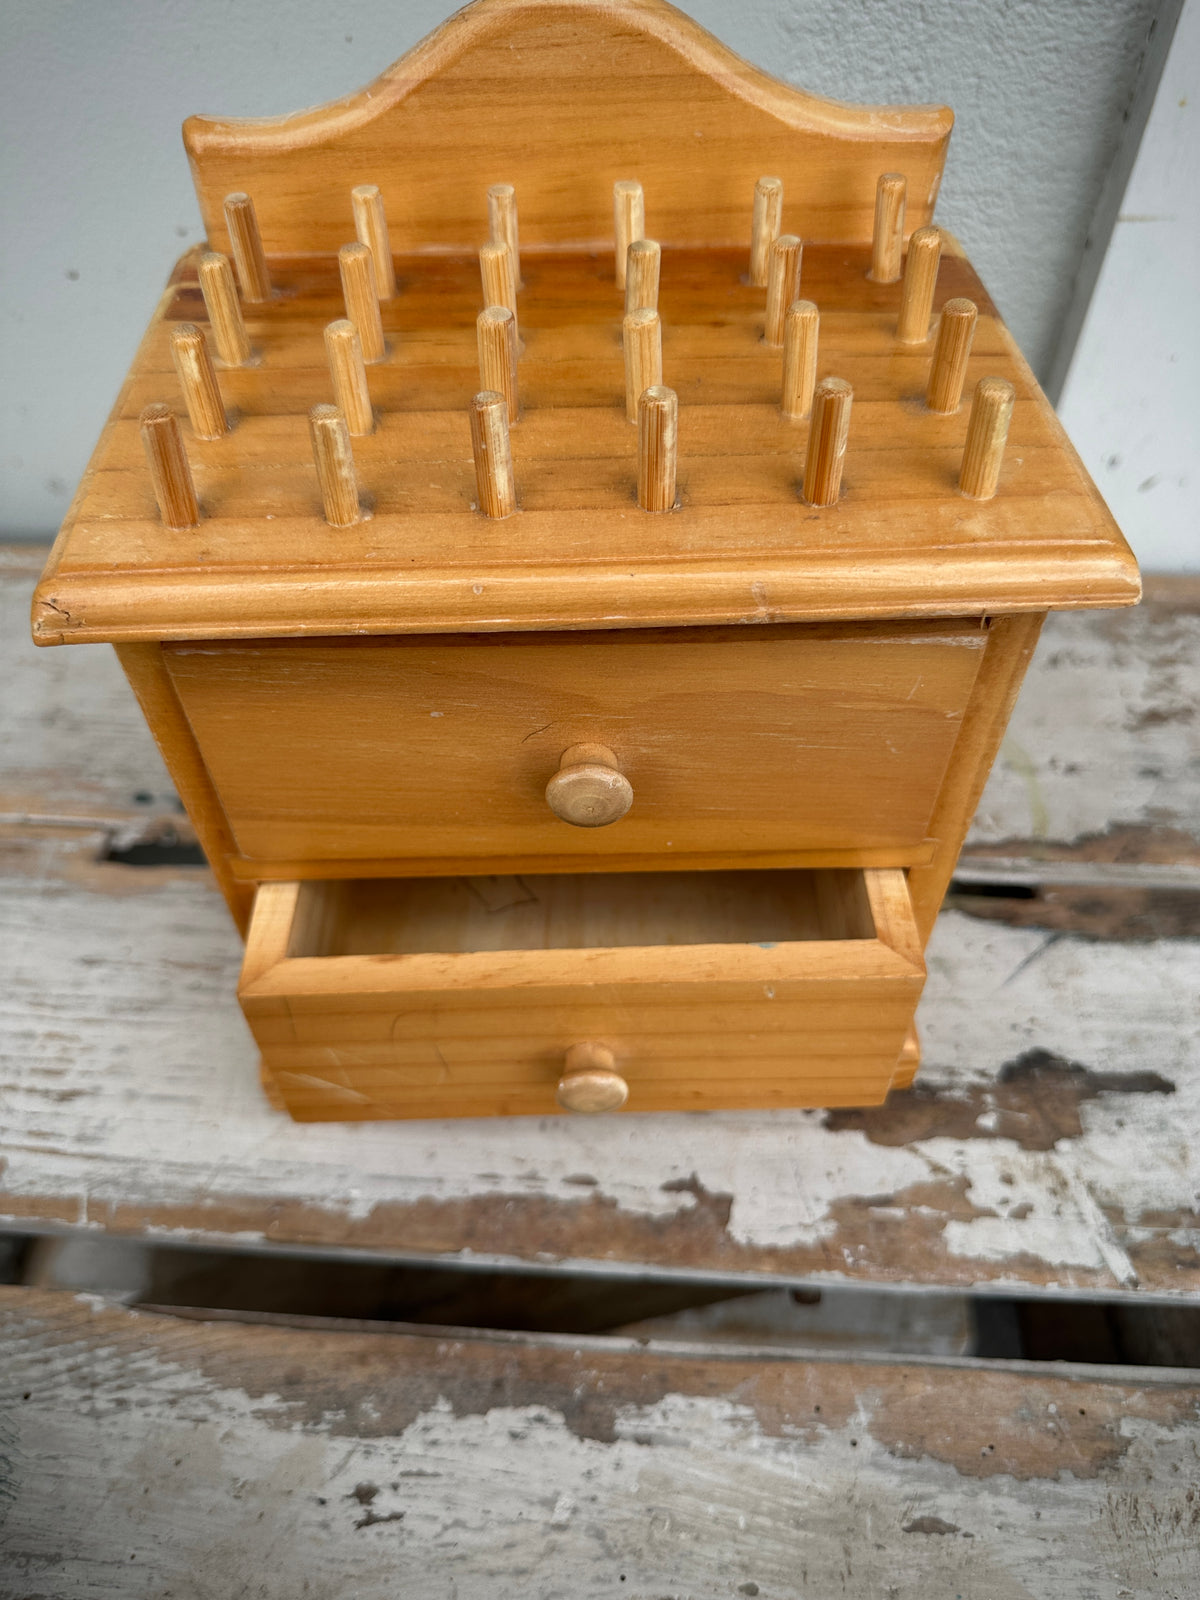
948	370
502	224
629	221
198	380
643	261
496	335
800	327
827	435
589	790
499	282
920	280
169	470
246	243
371	229
658	436
343	349
887	246
783	284
357	267
764	228
493	454
642	333
987	433
224	312
590	1083
334	461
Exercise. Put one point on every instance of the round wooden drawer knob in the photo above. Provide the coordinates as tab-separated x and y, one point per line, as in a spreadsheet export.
589	790
590	1082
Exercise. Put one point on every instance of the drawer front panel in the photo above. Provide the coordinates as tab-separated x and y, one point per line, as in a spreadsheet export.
810	1021
782	739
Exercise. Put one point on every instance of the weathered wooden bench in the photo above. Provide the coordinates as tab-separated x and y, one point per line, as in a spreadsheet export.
152	1456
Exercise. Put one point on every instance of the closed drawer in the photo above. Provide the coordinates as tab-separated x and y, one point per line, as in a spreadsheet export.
754	741
436	997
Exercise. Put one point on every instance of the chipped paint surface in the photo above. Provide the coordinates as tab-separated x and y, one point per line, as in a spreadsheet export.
1104	736
329	1463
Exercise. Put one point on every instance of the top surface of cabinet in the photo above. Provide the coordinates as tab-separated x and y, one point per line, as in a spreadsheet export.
561	100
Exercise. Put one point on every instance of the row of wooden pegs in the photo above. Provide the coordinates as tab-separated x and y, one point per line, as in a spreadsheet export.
368	278
367	275
371	230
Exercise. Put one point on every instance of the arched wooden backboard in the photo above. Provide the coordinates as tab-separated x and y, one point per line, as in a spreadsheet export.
560	98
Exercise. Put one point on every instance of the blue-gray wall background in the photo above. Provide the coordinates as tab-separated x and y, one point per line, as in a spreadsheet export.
96	200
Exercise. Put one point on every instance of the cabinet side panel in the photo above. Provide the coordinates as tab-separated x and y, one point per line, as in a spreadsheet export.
1011	642
148	678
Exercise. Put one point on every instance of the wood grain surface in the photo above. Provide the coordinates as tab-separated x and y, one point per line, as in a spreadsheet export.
774	740
561	100
740	547
150	1455
442	997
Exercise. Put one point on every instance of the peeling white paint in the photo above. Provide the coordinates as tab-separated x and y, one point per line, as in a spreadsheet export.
190	1488
1047	1238
1105	720
791	1154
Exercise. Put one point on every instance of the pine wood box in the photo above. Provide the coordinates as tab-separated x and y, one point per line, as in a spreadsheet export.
803	699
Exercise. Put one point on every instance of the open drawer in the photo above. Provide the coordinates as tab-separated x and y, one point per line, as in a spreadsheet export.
435	997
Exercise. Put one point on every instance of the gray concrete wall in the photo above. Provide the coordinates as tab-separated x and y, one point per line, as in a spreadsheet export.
1131	401
96	201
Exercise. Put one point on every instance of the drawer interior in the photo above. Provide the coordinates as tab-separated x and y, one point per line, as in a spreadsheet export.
580	911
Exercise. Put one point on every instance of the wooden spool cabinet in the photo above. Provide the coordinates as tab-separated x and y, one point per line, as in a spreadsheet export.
545	761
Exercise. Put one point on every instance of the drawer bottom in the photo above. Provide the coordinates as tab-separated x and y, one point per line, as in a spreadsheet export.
436	997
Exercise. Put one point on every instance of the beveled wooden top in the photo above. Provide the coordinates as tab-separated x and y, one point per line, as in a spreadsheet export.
741	547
